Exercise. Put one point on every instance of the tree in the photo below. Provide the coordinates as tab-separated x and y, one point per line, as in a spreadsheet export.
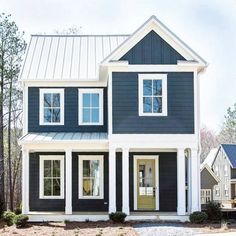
228	129
12	47
208	141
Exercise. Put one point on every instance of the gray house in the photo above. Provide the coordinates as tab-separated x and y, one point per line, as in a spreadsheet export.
222	162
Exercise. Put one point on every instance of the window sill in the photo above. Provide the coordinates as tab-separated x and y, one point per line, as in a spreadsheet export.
91	124
50	124
51	197
91	197
152	114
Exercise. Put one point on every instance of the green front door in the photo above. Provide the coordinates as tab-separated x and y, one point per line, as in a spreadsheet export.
146	184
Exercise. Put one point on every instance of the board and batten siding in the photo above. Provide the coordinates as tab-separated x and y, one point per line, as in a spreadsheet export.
152	49
180	105
71	111
35	203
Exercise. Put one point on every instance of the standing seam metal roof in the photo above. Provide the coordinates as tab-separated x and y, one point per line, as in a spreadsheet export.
230	151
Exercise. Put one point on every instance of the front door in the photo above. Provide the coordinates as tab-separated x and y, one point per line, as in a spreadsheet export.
146	184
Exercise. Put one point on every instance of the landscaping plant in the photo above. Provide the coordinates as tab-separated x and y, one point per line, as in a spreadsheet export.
198	217
213	211
117	217
21	220
8	217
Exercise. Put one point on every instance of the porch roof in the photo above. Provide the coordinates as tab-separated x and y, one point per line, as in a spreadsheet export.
63	137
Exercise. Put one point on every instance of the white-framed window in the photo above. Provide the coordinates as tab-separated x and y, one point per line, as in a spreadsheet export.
51	107
90	106
225	170
217	191
205	196
226	190
91	176
152	94
51	177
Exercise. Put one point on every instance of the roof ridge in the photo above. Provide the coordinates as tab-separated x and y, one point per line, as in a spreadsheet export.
78	35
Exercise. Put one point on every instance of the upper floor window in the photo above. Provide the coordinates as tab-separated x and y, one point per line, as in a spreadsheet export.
51	106
205	196
225	170
152	94
90	106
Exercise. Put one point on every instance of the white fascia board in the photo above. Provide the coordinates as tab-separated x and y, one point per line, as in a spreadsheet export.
211	172
154	24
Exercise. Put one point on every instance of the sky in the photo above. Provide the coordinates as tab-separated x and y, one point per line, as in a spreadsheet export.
207	26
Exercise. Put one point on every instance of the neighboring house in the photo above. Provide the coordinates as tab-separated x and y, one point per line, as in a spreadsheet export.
222	162
107	122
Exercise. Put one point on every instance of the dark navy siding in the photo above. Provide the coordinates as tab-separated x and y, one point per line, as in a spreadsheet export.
71	113
167	180
152	49
36	204
119	181
180	102
89	204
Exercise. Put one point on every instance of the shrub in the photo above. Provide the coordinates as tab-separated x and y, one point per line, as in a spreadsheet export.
213	211
18	210
198	217
8	217
117	217
21	220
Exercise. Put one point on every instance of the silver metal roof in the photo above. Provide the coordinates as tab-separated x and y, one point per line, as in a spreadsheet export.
72	57
63	136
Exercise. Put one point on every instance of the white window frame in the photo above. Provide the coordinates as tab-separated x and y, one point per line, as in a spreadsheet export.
217	191
205	193
80	97
101	177
41	106
163	78
41	175
225	170
226	191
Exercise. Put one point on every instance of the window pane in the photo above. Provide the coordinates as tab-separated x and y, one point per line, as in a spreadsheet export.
47	168
56	115
86	168
56	99
95	115
147	87
56	187
47	99
157	87
95	100
47	187
147	104
47	115
86	115
91	187
56	168
157	105
91	168
86	99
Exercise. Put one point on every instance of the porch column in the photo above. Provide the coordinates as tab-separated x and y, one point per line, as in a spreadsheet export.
125	180
181	196
25	181
68	202
112	180
195	181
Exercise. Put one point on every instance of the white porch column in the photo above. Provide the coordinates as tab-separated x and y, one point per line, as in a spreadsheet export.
68	201
112	180
125	181
181	196
25	181
195	181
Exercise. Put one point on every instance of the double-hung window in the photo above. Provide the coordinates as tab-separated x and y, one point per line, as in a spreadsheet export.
225	170
51	107
91	177
52	177
205	196
152	94
90	106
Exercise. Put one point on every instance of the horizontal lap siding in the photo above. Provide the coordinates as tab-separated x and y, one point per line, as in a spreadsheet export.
88	204
71	123
36	204
180	102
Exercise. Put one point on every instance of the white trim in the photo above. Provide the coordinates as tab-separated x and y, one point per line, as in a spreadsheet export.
41	175
25	181
68	200
163	78
146	157
205	196
25	109
41	106
211	172
109	97
80	109
112	180
101	177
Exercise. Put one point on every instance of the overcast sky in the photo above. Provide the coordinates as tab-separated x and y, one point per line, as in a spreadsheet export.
207	26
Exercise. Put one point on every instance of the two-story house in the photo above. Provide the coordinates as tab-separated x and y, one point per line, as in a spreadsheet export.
111	123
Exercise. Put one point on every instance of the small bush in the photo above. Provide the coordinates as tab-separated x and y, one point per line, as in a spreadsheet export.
8	217
21	220
198	217
18	210
117	217
213	211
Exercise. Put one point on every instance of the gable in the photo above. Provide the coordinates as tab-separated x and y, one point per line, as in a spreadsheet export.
207	180
152	49
230	152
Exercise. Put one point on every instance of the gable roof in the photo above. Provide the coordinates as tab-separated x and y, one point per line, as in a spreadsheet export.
209	160
210	171
230	152
173	40
67	57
